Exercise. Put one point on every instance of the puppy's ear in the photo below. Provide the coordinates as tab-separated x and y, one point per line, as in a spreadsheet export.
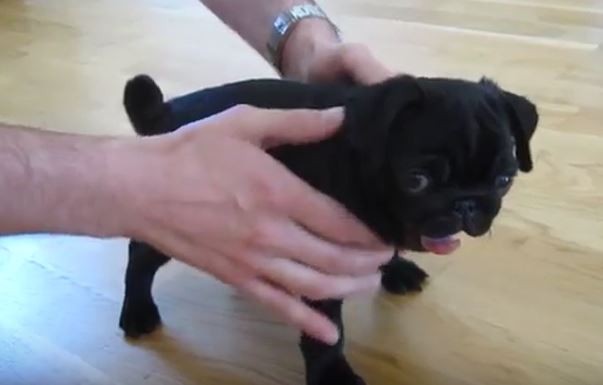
523	116
372	112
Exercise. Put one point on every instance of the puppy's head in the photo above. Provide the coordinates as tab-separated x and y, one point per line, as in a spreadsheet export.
442	152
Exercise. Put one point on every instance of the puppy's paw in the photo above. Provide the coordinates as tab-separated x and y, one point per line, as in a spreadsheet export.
139	317
401	276
339	372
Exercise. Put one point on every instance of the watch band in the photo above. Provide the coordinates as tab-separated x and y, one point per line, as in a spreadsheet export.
284	24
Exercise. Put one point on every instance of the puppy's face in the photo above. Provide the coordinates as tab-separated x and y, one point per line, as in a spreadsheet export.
445	153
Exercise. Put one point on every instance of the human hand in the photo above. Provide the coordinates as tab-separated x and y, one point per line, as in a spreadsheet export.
209	196
314	53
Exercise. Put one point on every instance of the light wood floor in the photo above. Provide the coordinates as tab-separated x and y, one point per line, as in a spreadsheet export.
524	307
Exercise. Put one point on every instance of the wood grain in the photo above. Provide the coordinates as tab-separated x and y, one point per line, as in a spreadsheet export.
524	306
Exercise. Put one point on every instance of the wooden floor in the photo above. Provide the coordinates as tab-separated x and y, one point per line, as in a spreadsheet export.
524	307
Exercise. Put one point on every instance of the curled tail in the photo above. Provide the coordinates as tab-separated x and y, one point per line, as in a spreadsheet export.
145	106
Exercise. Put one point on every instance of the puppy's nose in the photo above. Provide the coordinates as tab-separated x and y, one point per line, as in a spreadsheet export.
465	207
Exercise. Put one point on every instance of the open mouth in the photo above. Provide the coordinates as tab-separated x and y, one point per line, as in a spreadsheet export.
441	246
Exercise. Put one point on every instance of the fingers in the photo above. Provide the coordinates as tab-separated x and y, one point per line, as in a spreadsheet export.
344	61
304	281
269	128
289	240
308	207
323	215
293	310
358	61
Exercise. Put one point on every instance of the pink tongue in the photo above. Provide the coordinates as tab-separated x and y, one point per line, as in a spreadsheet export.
446	245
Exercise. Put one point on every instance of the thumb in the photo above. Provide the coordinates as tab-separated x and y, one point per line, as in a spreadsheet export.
269	128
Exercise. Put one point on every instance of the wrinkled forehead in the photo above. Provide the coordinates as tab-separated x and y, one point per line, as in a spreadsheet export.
472	131
458	118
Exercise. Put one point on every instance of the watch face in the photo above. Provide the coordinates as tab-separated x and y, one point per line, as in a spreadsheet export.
281	24
285	20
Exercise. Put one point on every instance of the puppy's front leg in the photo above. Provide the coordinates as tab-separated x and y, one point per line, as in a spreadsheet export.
326	364
400	276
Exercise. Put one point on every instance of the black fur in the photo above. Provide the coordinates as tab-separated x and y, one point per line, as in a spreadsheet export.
401	276
461	142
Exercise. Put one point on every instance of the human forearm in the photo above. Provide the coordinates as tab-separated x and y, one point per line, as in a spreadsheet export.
58	183
313	50
252	20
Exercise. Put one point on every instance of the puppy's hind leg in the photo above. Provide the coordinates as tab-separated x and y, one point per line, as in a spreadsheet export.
139	314
400	276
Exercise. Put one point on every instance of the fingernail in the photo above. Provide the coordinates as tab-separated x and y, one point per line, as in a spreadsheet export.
333	115
368	288
368	284
385	255
374	282
375	242
331	337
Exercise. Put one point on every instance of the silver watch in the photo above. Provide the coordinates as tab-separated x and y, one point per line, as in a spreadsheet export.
283	26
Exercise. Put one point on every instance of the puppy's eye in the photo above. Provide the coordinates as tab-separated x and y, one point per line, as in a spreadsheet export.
503	181
416	182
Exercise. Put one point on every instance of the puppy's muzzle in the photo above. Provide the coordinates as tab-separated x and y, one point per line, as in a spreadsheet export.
465	207
472	221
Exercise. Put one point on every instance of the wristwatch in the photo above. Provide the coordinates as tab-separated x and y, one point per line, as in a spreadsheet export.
284	24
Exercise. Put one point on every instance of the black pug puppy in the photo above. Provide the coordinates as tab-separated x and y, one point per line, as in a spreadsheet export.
417	159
